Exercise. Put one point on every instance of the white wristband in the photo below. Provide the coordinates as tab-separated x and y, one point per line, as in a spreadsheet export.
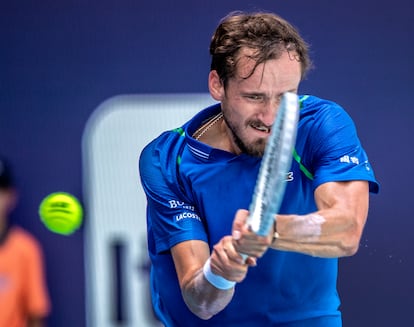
216	280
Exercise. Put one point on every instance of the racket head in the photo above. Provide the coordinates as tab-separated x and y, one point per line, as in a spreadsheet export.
276	162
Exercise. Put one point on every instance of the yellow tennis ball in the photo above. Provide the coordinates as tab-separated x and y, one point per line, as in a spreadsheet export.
61	213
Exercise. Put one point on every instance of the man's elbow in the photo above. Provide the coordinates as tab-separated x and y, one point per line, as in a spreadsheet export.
201	312
349	251
204	315
350	245
350	242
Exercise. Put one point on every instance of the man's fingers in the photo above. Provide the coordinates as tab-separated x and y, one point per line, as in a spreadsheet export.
239	223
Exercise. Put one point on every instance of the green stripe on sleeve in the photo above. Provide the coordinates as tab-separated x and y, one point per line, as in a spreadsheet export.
303	169
179	130
302	100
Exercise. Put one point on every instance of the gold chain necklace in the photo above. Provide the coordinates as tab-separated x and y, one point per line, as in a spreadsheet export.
204	128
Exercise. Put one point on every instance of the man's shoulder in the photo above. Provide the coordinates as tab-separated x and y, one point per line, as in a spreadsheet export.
314	109
312	103
159	161
164	152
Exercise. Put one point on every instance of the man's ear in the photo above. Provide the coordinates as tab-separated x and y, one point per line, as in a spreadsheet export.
215	86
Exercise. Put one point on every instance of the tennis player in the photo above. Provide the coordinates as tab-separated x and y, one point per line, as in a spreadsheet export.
199	181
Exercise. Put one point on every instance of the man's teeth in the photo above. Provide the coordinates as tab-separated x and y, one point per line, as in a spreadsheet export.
262	128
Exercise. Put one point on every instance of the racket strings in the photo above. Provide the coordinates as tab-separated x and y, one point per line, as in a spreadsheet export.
276	161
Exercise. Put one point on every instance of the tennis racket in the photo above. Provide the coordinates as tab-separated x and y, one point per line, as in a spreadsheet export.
271	181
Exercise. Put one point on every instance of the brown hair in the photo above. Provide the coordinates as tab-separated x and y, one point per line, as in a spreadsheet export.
267	34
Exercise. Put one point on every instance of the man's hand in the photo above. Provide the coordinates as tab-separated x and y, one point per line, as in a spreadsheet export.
226	261
247	242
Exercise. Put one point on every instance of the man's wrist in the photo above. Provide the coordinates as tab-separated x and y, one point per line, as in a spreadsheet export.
216	280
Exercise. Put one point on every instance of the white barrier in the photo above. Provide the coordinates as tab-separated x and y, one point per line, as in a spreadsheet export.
116	257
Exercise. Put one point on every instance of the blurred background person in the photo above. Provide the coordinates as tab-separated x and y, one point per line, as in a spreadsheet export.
24	297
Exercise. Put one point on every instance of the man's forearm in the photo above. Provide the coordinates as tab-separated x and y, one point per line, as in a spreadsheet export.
331	235
203	299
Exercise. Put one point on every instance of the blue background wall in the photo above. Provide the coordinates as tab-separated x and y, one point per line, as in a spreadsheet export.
60	59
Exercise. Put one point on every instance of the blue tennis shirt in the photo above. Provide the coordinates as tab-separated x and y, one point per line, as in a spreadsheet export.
194	190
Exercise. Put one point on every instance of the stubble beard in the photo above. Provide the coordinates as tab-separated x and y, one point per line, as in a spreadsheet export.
254	149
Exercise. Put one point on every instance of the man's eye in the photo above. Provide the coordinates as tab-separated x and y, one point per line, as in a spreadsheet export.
255	97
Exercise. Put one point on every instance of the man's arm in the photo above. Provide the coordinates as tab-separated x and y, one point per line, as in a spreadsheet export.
335	229
201	297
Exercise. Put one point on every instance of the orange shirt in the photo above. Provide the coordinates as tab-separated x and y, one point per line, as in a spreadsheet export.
23	290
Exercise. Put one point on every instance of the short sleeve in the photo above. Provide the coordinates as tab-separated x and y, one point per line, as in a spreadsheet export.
337	151
171	215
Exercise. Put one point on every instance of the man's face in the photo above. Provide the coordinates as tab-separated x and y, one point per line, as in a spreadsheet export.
250	105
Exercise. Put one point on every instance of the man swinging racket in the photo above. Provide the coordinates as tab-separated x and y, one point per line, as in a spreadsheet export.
209	266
